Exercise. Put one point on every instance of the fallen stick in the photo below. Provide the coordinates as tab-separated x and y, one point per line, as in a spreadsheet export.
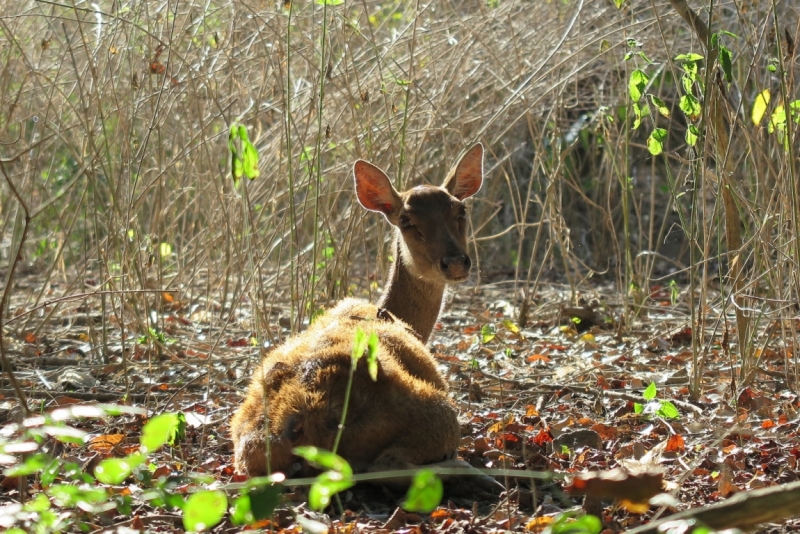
743	510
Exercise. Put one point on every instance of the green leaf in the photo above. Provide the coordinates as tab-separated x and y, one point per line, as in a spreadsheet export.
725	62
690	106
164	249
618	3
52	472
242	515
32	464
667	410
329	2
655	143
264	499
338	476
488	333
777	120
425	492
237	169
659	104
250	160
372	356
39	503
324	459
94	410
692	135
204	510
64	433
326	486
687	82
650	392
69	495
359	345
587	524
760	107
637	408
794	106
162	429
636	84
511	326
244	160
113	471
688	58
638	113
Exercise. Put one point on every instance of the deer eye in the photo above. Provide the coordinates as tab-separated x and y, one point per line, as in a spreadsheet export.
405	221
294	433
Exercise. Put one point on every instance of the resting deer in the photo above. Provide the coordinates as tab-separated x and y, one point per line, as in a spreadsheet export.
405	418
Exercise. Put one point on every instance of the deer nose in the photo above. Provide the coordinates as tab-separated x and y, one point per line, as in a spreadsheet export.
456	266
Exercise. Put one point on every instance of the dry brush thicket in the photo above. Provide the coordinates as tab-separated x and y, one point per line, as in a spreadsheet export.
115	117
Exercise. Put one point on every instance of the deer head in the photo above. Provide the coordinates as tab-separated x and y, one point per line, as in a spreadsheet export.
431	221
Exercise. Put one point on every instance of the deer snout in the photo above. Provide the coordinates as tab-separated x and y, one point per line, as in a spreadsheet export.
455	267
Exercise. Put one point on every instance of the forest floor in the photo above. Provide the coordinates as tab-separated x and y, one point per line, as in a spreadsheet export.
564	395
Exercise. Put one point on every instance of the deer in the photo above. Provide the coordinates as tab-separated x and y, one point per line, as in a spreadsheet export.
404	418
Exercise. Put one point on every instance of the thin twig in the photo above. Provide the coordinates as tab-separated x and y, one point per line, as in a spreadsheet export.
7	290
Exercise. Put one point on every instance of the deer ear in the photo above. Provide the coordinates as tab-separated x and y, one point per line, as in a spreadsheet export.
465	179
374	190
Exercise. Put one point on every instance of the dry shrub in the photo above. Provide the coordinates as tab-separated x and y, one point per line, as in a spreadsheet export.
115	127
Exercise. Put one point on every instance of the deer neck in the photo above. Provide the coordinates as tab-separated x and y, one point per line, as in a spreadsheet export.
408	297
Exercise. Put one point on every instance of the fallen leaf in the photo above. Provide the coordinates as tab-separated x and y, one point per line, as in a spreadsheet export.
539	523
105	443
537	358
161	471
618	484
675	443
64	400
607	433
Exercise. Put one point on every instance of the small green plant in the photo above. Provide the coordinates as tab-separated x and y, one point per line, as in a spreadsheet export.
244	156
425	492
692	84
70	496
567	523
154	334
674	292
655	407
337	477
488	333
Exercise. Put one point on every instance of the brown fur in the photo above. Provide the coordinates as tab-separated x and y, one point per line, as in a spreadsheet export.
404	418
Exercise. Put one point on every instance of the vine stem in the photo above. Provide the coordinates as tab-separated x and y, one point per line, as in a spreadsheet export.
318	156
7	290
